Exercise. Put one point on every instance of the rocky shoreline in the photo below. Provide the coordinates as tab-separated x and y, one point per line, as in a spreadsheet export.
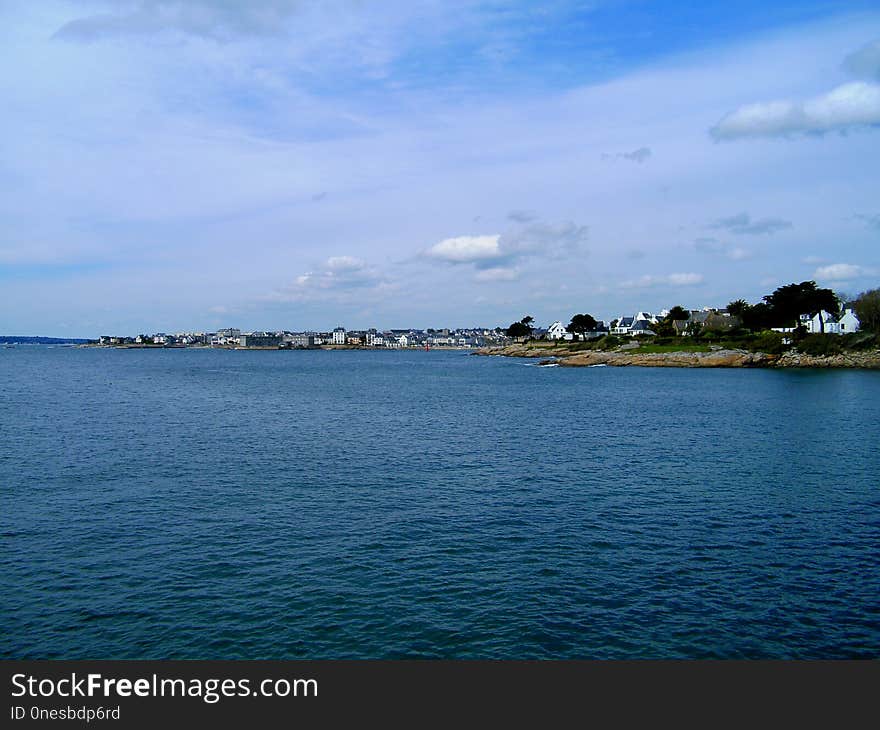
721	358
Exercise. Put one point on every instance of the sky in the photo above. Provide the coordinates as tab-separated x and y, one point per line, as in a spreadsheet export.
171	165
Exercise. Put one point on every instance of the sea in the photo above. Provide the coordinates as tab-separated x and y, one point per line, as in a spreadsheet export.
216	504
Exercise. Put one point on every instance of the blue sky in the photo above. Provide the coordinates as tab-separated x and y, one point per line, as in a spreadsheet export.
292	164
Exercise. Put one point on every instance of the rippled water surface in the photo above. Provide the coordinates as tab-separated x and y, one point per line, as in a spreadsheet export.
217	504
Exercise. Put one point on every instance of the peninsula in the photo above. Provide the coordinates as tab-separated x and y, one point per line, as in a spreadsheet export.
796	326
688	356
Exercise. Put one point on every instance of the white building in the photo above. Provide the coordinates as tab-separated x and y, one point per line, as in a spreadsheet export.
820	322
339	336
824	322
623	326
556	331
848	322
639	324
641	327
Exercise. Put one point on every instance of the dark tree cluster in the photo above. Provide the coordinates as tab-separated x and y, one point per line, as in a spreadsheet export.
784	306
664	327
523	328
581	324
867	309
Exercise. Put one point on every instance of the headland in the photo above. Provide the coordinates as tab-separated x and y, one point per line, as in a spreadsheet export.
633	355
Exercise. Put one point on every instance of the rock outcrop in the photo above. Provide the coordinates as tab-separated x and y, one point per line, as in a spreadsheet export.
867	359
717	359
714	359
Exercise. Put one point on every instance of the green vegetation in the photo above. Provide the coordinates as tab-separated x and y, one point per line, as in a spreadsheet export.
523	328
581	324
608	342
749	326
820	344
860	341
783	307
653	348
867	308
773	343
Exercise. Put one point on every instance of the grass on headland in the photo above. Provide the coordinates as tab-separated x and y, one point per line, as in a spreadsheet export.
607	344
768	342
683	347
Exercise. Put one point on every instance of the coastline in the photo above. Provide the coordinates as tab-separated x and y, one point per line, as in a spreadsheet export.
272	348
719	358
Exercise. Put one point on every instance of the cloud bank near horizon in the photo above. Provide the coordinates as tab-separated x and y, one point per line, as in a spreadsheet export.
846	107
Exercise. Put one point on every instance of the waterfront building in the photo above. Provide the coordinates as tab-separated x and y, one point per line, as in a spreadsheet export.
302	340
557	331
259	339
641	327
623	326
848	322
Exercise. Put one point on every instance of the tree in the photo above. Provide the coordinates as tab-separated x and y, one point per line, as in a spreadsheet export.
738	308
867	309
678	313
758	317
788	302
581	324
523	328
663	327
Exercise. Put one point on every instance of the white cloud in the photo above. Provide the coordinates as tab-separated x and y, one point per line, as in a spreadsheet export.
337	280
714	246
466	249
550	240
547	240
500	273
648	281
848	106
841	272
738	254
685	279
345	263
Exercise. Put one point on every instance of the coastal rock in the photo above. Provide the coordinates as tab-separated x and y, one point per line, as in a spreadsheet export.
718	358
794	359
524	350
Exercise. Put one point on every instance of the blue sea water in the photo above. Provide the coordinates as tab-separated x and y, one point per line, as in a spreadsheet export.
221	504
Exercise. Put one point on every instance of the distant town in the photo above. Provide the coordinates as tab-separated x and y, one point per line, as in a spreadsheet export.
338	338
675	322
